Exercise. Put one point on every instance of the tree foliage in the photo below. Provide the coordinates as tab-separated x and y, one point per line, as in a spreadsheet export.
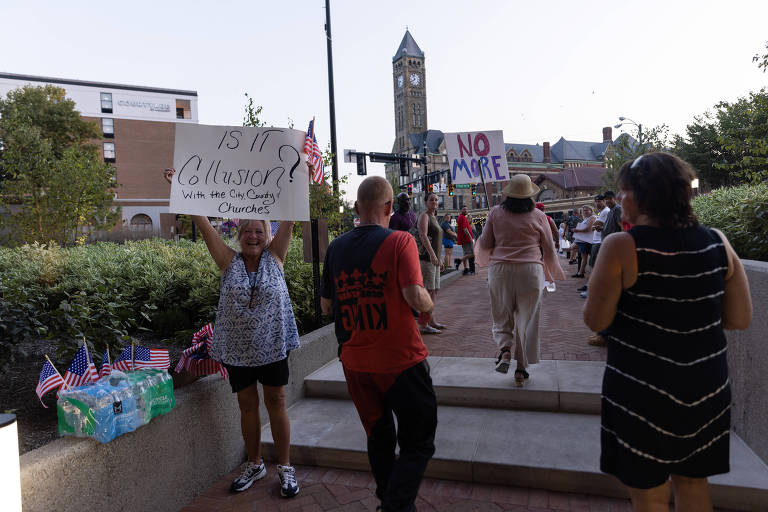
52	181
730	145
629	146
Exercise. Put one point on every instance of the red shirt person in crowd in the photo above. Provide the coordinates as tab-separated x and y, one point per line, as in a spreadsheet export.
371	280
552	226
466	241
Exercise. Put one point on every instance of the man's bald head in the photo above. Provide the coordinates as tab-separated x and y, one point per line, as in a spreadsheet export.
372	197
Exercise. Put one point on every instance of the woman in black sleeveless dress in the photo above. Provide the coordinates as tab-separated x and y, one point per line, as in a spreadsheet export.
665	290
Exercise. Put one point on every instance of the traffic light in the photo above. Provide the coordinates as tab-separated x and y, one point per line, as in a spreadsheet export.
409	189
473	188
450	189
361	171
403	168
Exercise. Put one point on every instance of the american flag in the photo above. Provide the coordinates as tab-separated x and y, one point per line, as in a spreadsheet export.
49	380
81	370
106	367
196	359
314	156
143	358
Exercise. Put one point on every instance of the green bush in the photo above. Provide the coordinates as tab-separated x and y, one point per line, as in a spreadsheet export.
741	213
109	293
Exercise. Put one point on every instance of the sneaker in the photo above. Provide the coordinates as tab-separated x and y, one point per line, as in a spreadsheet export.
428	329
250	474
456	263
583	295
289	487
582	289
596	340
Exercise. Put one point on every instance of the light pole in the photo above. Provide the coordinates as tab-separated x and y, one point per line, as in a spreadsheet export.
626	120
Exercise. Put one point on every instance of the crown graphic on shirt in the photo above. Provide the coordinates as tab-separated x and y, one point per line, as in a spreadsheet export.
364	283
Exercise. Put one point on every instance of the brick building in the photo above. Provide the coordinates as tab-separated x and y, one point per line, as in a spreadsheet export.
138	126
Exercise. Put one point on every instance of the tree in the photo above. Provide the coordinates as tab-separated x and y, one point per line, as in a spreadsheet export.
52	181
628	147
762	60
730	145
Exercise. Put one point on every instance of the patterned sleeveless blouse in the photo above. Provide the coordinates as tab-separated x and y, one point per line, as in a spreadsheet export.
666	395
258	335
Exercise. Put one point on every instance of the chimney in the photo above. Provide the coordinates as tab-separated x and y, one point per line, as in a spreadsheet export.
607	134
546	152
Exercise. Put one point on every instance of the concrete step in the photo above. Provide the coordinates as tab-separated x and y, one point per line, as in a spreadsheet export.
564	386
545	450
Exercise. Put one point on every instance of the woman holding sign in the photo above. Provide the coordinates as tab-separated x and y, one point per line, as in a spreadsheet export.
255	330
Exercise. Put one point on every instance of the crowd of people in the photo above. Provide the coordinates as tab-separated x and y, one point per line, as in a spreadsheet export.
661	290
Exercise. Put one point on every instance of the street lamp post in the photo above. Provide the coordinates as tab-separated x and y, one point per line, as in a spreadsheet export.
626	120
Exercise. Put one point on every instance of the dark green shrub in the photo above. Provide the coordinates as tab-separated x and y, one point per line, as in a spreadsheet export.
109	293
741	213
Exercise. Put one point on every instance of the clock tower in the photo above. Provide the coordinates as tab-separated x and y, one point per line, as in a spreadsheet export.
408	76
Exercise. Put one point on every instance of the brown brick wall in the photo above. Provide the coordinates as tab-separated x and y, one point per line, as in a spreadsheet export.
142	150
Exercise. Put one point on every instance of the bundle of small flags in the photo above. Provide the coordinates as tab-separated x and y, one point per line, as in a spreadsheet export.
83	370
314	155
197	360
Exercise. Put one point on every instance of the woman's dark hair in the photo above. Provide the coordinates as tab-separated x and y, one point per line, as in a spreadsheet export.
515	205
661	184
427	194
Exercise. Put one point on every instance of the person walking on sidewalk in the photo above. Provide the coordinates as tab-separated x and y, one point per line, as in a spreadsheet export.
255	330
665	290
517	243
430	234
466	240
449	238
371	280
582	234
404	218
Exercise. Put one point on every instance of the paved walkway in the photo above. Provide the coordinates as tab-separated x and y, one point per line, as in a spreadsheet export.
464	308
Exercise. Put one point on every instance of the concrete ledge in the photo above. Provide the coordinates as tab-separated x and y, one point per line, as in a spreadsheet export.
747	353
164	465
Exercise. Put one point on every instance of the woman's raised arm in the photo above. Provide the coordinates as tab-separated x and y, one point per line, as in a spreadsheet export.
282	241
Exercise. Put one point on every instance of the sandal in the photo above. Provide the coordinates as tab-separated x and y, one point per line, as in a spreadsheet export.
502	365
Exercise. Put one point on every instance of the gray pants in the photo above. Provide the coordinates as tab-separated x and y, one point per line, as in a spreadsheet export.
516	290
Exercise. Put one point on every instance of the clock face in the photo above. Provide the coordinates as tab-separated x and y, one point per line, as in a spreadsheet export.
415	79
400	81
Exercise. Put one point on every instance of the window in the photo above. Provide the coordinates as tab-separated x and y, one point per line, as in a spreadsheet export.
106	102
183	109
109	151
441	202
141	222
108	126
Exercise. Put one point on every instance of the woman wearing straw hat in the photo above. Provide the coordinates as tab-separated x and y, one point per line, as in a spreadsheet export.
517	243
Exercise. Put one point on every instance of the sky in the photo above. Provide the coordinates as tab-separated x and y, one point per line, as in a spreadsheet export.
536	70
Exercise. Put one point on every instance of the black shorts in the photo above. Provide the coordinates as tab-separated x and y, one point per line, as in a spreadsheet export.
272	374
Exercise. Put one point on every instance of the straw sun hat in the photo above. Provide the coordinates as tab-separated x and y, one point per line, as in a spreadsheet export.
520	187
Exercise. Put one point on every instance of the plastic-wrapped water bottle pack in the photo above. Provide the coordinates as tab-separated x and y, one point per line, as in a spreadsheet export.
114	405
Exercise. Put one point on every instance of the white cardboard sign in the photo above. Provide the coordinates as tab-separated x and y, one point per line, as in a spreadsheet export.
240	172
471	152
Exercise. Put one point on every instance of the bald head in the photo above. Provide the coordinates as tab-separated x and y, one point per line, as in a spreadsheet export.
374	200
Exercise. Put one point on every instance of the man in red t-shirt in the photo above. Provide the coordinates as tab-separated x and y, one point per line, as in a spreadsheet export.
466	240
371	280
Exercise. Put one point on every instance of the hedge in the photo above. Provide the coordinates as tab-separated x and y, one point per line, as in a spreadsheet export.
110	292
741	213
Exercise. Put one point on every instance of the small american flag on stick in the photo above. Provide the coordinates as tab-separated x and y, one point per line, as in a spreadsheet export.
314	156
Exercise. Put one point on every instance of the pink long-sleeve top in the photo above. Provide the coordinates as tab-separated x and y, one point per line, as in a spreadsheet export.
519	238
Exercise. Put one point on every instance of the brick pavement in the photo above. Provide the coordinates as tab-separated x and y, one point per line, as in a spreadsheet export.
464	307
324	489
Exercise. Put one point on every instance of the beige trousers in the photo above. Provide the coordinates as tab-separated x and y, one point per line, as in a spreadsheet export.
516	290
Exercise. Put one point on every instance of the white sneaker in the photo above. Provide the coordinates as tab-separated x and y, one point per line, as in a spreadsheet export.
250	474
289	487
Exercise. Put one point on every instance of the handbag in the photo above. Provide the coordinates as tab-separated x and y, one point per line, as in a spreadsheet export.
414	231
565	244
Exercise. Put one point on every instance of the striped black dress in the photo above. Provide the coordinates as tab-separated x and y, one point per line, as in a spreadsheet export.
666	398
